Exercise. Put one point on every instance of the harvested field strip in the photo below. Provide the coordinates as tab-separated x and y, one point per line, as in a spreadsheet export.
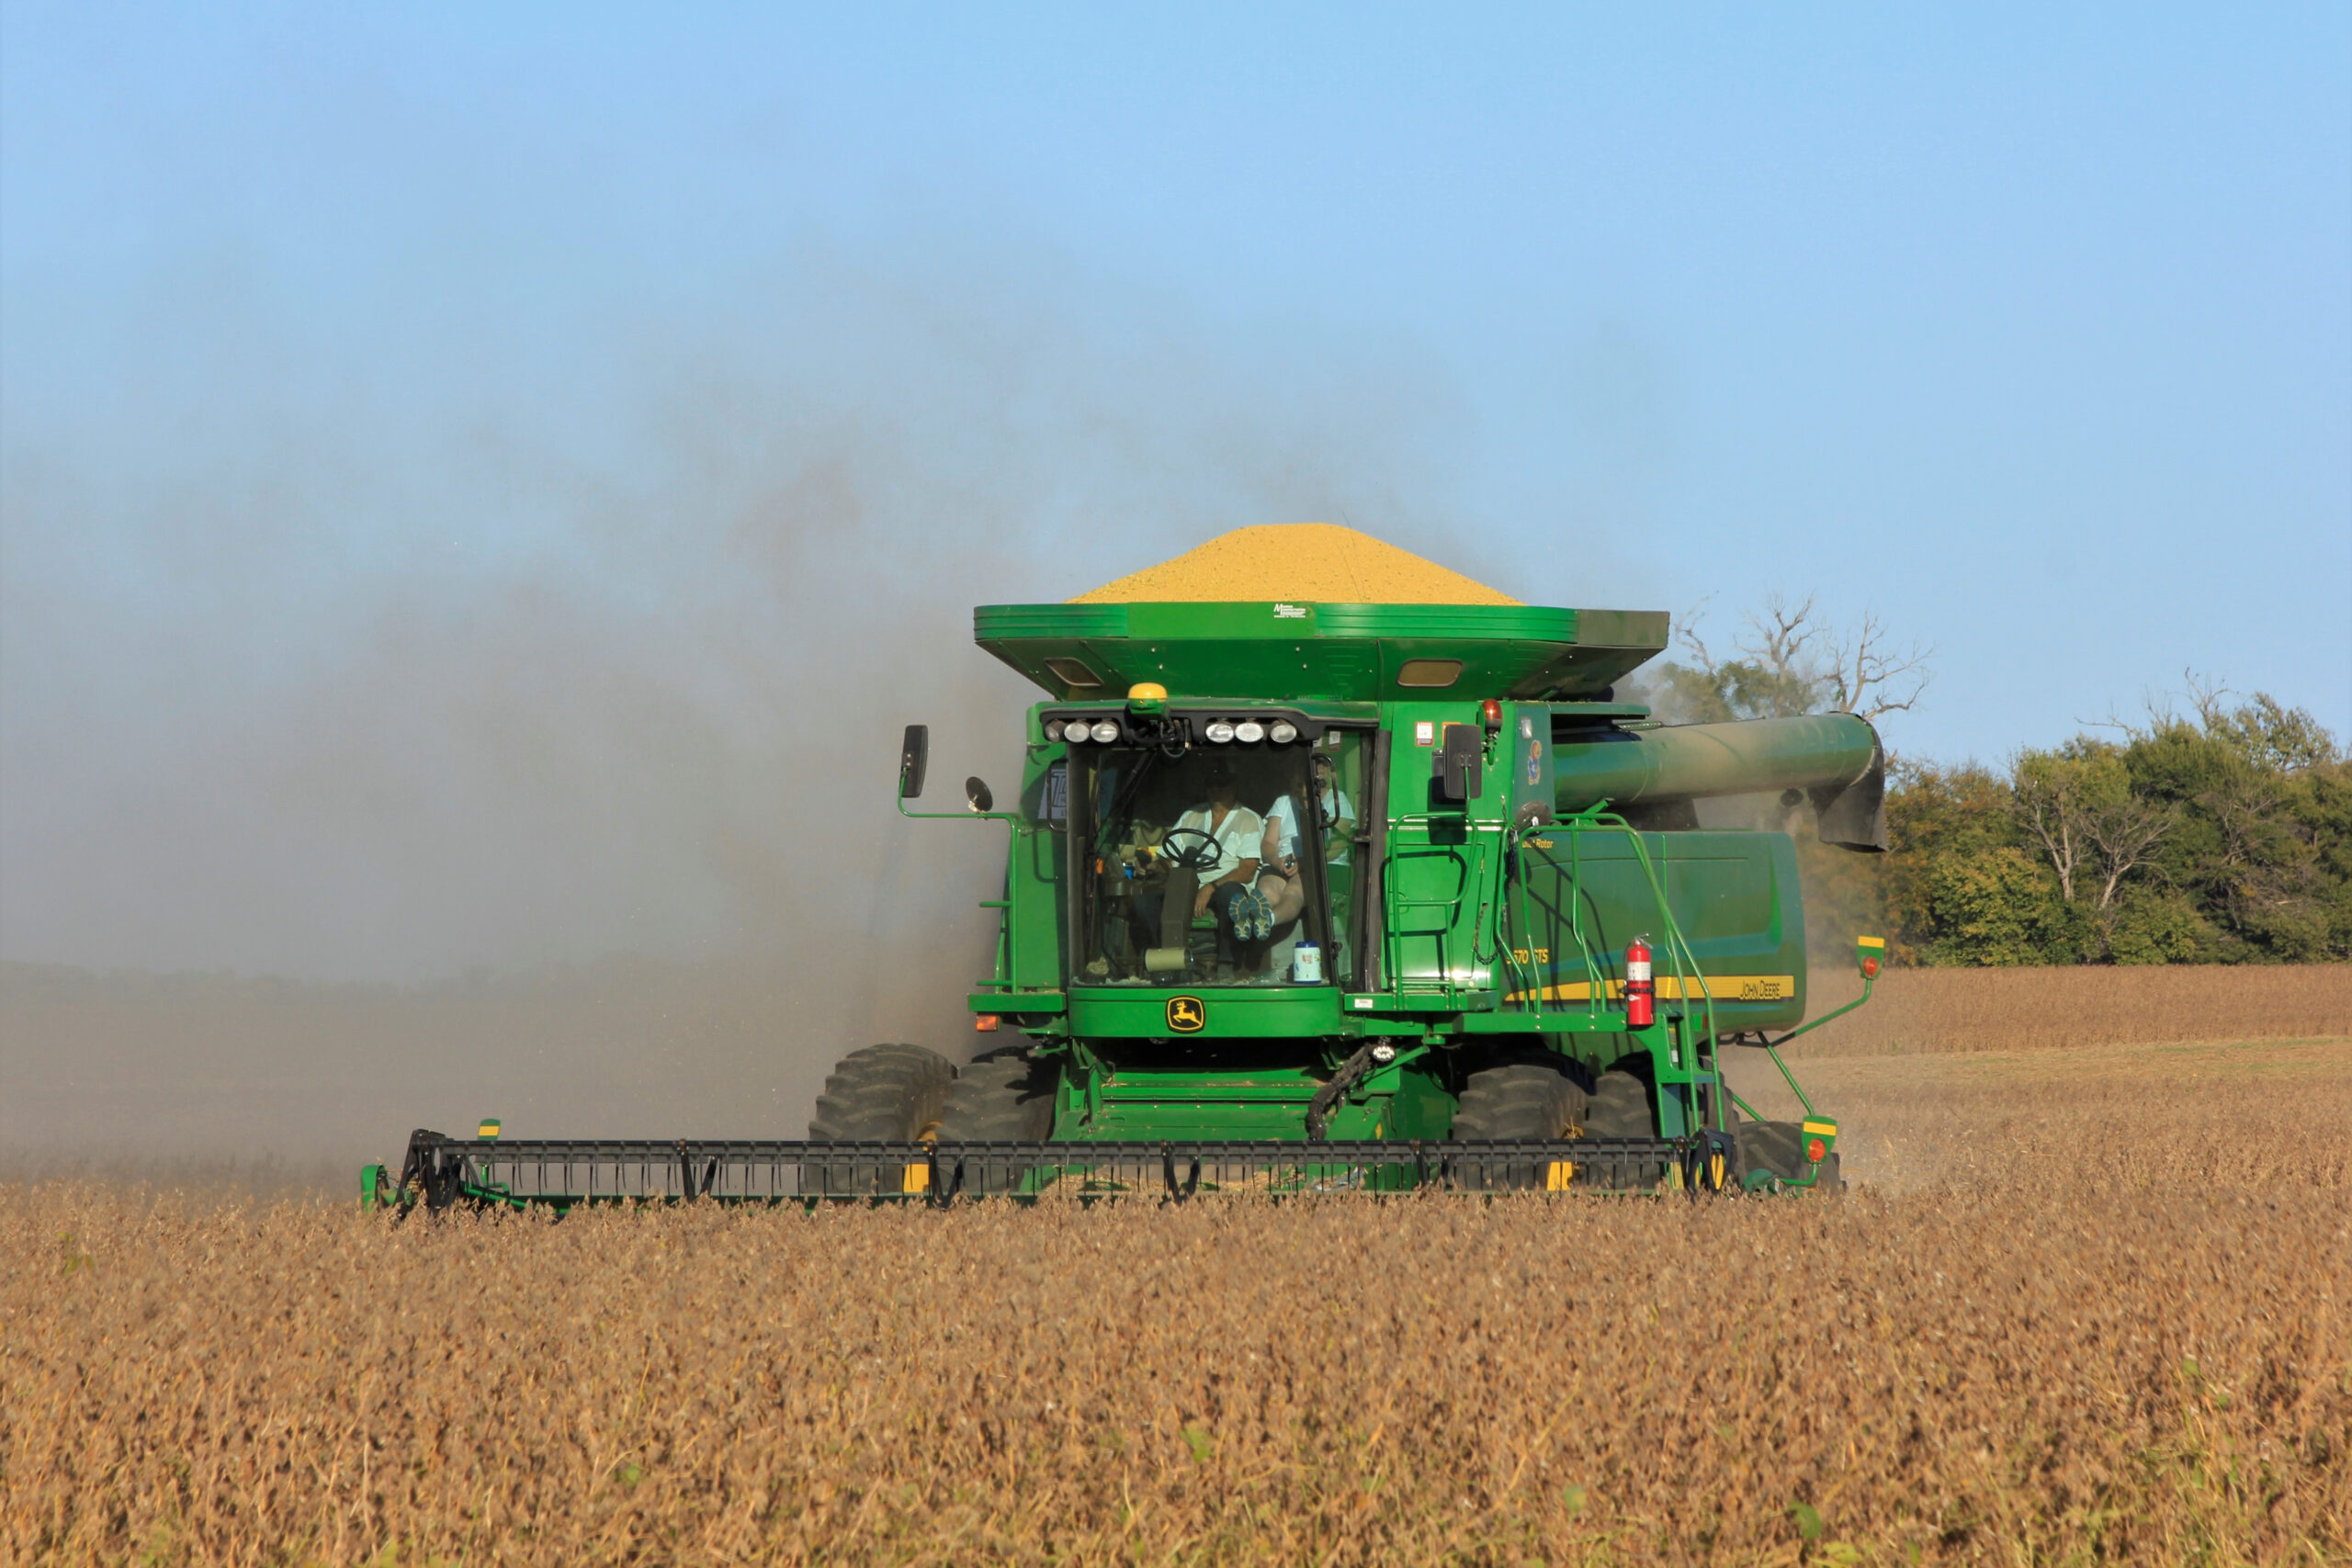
1912	1121
2053	1009
2124	1339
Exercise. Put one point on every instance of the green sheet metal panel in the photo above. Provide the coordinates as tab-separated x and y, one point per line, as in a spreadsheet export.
1207	1012
1735	897
1277	651
1438	911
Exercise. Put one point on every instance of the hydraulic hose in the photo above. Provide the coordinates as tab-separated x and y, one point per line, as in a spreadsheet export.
1353	1071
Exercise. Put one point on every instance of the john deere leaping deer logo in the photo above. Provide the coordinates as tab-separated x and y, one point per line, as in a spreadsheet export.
1187	1015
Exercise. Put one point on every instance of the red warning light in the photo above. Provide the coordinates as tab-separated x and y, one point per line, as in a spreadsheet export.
986	1023
1491	712
1816	1151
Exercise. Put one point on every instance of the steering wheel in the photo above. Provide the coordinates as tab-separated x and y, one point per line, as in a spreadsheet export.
1198	857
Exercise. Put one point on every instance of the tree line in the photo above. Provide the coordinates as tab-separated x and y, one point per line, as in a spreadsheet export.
2218	831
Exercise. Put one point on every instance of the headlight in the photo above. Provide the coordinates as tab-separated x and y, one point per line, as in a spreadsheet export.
1250	730
1281	732
1105	731
1219	730
1075	732
1053	729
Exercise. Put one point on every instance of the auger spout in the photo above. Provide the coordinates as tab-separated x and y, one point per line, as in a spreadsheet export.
1835	758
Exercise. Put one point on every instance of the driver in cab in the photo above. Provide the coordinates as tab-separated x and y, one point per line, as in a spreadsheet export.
1221	837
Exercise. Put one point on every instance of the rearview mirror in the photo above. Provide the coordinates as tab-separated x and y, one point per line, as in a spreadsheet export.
914	753
978	794
1461	764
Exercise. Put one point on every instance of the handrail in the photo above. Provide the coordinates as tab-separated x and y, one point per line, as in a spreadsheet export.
1679	955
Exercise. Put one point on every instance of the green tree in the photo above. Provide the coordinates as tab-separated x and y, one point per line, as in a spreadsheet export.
1995	908
1944	826
2257	791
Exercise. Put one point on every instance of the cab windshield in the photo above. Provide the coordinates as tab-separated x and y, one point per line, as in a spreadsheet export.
1227	865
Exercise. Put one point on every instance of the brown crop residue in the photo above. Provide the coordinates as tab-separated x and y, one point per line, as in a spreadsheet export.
2115	1330
2053	1009
1317	562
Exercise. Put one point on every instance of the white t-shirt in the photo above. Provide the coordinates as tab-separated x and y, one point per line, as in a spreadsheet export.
1237	838
1283	815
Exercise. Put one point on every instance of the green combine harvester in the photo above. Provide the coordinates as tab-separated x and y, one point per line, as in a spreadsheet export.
1324	897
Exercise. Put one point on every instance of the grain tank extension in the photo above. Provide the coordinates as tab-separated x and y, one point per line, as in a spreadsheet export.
1310	894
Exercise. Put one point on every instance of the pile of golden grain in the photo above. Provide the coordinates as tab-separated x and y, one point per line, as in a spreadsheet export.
2110	1326
1311	561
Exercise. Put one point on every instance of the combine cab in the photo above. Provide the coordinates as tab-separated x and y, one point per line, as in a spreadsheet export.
1325	896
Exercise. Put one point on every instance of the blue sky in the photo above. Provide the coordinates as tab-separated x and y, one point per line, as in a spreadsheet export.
2029	329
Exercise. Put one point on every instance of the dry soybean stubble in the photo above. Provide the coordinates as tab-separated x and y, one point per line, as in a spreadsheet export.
2121	1337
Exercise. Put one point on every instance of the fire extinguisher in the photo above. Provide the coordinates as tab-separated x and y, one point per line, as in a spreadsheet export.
1641	993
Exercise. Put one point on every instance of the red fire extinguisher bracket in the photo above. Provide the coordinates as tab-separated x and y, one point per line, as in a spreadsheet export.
1641	990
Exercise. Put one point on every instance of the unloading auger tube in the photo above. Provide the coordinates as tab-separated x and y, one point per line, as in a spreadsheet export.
1834	759
443	1173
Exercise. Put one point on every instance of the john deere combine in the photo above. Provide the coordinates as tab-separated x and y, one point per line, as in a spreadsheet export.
1324	897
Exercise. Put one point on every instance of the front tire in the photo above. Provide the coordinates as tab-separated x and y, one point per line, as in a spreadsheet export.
880	1094
1001	1098
1516	1100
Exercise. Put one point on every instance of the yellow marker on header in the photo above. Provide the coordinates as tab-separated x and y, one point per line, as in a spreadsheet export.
488	1128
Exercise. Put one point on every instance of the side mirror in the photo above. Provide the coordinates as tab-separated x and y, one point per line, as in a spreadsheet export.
1461	763
914	753
978	794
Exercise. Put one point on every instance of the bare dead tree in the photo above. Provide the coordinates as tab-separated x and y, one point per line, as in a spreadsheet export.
1868	678
2206	694
1779	638
1687	634
2047	808
1788	661
2123	835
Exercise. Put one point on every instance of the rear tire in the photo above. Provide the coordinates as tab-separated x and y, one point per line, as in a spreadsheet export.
1776	1148
1002	1097
879	1094
1620	1108
1516	1100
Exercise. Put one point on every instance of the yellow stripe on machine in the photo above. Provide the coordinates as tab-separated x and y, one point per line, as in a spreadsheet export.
1821	1129
1723	988
1870	941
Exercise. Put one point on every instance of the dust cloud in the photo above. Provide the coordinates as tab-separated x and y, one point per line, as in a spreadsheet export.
494	719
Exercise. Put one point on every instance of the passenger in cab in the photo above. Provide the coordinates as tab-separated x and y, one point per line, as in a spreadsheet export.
1282	881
